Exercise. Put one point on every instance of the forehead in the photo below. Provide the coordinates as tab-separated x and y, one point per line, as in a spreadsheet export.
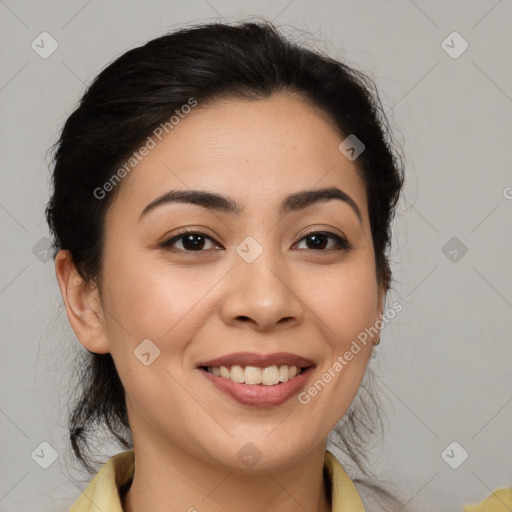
256	150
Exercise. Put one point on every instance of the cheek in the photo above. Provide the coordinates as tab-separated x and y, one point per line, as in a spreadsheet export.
345	299
147	301
345	307
163	307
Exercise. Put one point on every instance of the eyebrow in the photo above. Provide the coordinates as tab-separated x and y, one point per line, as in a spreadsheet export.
212	201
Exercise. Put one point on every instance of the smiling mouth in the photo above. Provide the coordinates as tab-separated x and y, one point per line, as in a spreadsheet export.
254	375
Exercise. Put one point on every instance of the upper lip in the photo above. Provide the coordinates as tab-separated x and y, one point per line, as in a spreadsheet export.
261	360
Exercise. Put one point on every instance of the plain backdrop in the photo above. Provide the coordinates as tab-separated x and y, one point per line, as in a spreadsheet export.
444	363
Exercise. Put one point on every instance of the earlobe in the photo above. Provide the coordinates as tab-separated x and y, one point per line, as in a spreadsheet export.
83	306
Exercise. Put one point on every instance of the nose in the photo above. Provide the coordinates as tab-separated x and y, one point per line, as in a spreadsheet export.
261	295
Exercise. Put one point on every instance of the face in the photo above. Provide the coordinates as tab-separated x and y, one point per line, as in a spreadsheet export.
265	280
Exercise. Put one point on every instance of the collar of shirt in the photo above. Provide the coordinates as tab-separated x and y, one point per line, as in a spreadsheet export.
103	493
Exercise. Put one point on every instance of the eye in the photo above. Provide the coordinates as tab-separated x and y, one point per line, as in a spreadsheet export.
317	241
191	241
195	241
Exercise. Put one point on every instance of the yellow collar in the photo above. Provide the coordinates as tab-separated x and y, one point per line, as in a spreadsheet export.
103	491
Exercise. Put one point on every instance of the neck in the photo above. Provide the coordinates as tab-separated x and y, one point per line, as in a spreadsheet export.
171	479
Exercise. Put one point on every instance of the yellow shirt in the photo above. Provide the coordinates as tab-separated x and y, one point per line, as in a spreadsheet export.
103	493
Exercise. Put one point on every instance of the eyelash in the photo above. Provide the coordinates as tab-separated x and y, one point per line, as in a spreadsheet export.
342	243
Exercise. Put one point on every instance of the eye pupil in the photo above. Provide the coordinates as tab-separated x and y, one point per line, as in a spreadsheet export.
316	238
194	242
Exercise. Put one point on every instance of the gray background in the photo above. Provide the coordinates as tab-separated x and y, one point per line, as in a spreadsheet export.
444	363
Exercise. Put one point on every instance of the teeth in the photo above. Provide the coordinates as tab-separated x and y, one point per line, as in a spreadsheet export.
269	376
252	375
284	373
237	374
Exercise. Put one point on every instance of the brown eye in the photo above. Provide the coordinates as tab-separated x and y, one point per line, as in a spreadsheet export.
191	241
318	240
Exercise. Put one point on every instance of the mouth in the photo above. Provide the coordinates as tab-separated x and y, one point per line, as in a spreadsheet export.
258	380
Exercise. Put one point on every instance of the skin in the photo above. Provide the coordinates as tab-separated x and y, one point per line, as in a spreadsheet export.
199	305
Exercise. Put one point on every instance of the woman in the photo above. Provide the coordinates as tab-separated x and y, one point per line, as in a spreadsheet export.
221	211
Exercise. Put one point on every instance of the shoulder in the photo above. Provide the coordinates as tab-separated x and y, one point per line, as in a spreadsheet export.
499	501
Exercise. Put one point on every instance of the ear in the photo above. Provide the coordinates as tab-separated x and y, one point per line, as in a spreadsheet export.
83	305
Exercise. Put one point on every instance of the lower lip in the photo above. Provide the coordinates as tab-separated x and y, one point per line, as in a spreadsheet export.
259	395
